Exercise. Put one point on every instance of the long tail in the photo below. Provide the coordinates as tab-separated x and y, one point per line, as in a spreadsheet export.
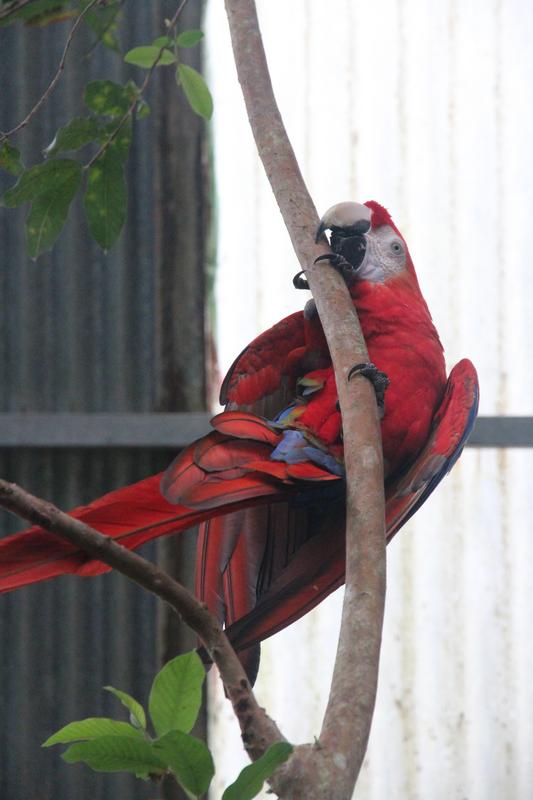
227	470
131	516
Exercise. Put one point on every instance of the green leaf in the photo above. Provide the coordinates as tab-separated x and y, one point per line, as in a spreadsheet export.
176	694
111	41
196	90
38	12
108	98
48	214
40	179
105	198
189	38
50	188
188	758
147	56
122	142
91	728
117	754
77	133
251	779
134	707
163	41
103	21
10	159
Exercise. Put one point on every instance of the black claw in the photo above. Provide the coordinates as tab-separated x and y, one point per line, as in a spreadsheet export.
299	282
341	264
377	378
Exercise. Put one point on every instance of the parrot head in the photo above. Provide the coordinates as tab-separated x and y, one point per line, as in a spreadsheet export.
368	239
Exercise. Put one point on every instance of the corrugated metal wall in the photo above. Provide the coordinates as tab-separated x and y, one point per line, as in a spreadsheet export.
81	331
427	108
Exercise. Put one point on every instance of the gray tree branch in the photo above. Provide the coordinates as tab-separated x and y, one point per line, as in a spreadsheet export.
333	763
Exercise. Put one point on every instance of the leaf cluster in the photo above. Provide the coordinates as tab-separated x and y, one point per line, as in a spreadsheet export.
164	52
103	19
50	187
108	745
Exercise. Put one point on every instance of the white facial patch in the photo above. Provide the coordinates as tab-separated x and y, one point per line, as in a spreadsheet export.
385	256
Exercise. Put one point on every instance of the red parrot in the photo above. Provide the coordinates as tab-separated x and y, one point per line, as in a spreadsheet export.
268	483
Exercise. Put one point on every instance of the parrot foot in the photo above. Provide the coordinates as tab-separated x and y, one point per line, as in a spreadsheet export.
338	262
377	378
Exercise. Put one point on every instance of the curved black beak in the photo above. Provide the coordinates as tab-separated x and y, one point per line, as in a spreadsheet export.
349	224
352	248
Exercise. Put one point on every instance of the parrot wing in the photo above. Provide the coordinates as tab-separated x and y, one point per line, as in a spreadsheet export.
304	575
260	369
452	425
233	550
316	568
244	550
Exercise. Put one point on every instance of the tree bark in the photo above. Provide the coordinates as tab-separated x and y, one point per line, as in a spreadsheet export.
335	760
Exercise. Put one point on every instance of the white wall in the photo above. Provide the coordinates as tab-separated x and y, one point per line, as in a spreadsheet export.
425	107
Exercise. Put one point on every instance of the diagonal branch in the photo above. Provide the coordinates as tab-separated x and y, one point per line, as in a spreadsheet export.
336	759
59	71
257	729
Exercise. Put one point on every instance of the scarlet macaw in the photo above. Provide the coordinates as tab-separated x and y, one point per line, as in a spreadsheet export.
268	482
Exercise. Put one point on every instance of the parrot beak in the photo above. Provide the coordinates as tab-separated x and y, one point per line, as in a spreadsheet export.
349	224
347	219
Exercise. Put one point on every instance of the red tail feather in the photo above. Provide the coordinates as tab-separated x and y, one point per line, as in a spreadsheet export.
212	477
132	516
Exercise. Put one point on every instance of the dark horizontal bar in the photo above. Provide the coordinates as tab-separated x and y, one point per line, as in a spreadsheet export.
101	430
502	432
176	430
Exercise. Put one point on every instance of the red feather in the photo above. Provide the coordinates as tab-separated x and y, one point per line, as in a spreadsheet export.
245	426
272	543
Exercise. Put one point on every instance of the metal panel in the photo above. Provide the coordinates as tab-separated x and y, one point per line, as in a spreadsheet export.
86	332
425	107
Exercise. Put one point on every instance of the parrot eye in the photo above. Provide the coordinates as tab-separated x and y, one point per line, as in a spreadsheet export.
396	248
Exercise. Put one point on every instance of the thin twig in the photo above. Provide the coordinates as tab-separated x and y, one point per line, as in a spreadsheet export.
112	136
8	9
331	767
258	730
51	86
